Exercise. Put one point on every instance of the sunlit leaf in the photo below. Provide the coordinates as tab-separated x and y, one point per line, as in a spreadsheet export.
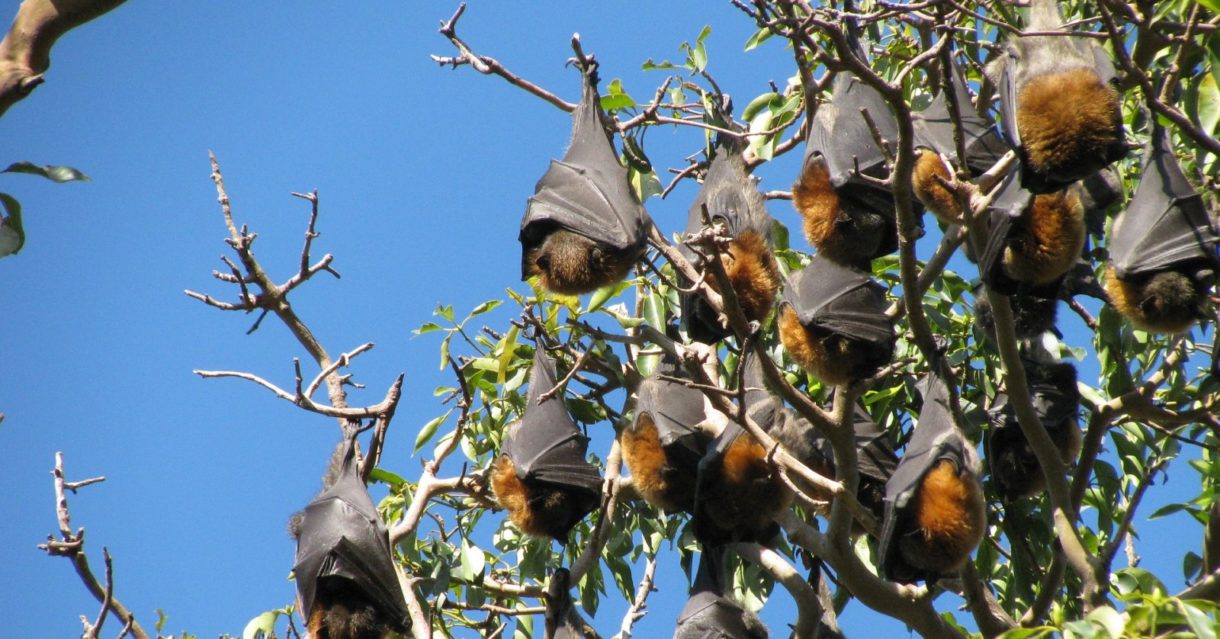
54	173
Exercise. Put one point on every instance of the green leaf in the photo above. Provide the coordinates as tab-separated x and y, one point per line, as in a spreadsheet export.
1212	5
393	480
759	37
428	430
1166	510
1109	619
471	563
605	294
506	357
427	327
1208	103
261	626
50	172
482	308
756	105
12	233
1203	625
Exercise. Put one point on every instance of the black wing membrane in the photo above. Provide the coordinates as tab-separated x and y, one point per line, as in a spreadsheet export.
547	446
342	537
934	128
708	614
562	620
1166	223
587	192
675	408
840	299
1008	206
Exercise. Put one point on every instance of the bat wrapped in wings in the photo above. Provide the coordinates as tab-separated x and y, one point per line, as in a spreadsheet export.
731	198
583	227
1015	472
875	457
934	507
663	445
1163	256
936	146
708	613
832	322
1058	103
1033	240
347	587
846	218
542	476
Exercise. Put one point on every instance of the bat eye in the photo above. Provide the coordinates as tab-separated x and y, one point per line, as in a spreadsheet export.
543	263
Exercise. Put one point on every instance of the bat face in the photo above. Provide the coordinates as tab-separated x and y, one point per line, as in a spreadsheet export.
934	506
832	322
542	476
1059	105
346	582
1033	312
583	228
663	445
1162	248
732	199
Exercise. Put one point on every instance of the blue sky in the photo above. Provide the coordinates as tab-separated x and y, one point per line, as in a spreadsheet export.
423	174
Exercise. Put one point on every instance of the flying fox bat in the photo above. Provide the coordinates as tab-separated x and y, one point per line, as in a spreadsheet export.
1058	103
346	584
732	198
562	620
1014	467
708	613
934	507
875	457
662	447
1033	312
846	218
542	477
934	142
1032	239
1163	256
737	492
583	227
832	322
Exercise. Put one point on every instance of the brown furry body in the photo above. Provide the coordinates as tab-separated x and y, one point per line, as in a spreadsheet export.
1045	243
1014	467
926	179
536	508
1165	302
832	358
950	519
754	274
748	493
340	613
839	233
660	482
571	264
1068	120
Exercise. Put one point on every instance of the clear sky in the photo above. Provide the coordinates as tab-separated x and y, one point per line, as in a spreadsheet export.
423	174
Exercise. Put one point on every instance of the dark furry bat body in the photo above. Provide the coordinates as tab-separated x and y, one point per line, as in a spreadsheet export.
1033	311
934	506
1058	102
1015	472
708	614
583	227
732	198
1163	258
542	476
934	141
346	584
562	620
832	322
663	446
